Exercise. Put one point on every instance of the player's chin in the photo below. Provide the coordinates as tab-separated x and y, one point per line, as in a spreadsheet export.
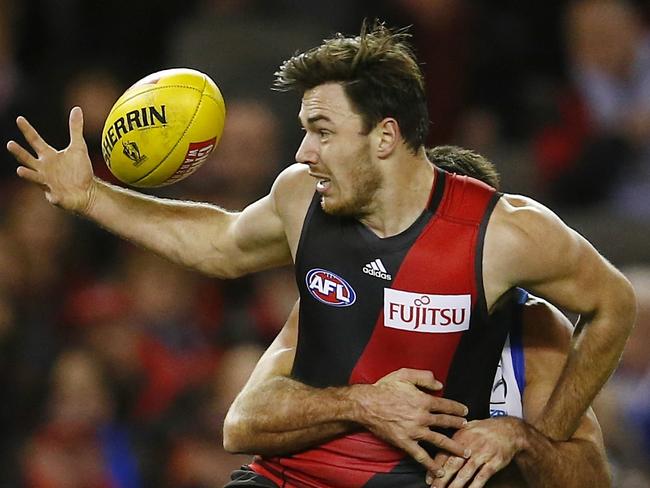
332	206
337	207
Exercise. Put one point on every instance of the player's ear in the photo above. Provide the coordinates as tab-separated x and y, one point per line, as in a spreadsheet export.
387	137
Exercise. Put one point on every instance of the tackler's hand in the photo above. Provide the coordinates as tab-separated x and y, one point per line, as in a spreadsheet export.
399	410
493	444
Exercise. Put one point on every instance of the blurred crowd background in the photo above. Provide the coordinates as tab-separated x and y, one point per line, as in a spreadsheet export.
116	368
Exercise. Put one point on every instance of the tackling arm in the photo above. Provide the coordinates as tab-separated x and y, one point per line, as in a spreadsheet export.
252	427
395	408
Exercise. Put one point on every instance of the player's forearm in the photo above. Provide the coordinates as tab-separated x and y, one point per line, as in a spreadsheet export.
283	415
595	353
178	231
544	463
267	443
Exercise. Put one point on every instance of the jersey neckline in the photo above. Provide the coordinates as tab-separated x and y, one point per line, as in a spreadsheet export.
406	237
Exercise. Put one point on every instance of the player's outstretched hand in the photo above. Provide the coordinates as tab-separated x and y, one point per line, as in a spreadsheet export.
66	176
493	442
397	409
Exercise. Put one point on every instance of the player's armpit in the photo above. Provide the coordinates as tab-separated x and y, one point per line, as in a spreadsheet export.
263	235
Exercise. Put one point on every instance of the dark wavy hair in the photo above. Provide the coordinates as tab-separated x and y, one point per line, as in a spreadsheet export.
378	72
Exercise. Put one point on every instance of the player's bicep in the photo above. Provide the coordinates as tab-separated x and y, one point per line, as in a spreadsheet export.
571	273
538	251
258	237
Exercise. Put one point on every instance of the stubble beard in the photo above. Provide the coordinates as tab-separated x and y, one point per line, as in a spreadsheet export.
364	183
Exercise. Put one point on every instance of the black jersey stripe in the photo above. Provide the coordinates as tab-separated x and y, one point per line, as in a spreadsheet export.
481	304
315	202
438	190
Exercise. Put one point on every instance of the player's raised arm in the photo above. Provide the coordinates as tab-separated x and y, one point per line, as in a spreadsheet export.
527	244
197	235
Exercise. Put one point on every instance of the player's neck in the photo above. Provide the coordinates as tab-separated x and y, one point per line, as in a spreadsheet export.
403	196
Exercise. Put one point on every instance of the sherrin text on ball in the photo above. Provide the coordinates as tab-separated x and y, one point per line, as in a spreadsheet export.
163	128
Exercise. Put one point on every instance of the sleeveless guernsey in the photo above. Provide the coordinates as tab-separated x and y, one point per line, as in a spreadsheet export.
370	306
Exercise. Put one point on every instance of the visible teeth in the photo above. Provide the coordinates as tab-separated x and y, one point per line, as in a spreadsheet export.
323	185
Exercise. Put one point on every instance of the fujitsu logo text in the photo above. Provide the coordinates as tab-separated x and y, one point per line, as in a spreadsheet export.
421	312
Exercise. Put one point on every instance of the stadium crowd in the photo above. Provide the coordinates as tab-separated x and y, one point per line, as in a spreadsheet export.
117	367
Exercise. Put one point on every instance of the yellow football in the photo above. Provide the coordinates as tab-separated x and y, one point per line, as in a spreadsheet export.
163	127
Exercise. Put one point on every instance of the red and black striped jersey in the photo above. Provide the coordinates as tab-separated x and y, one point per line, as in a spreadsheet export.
371	305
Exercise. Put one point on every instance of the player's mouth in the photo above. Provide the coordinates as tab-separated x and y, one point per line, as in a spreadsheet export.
322	185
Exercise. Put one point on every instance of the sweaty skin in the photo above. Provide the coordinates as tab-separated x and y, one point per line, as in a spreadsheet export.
525	243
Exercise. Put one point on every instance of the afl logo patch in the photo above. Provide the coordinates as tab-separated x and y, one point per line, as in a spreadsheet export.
329	288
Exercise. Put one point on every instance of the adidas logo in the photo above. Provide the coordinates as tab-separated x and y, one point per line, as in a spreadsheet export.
376	268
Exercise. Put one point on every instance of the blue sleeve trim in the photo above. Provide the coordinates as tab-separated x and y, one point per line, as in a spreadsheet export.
516	345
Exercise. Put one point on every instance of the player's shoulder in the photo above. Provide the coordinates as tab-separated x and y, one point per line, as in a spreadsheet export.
521	223
295	173
521	211
292	193
292	186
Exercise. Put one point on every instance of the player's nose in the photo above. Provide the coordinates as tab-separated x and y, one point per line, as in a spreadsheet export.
307	152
